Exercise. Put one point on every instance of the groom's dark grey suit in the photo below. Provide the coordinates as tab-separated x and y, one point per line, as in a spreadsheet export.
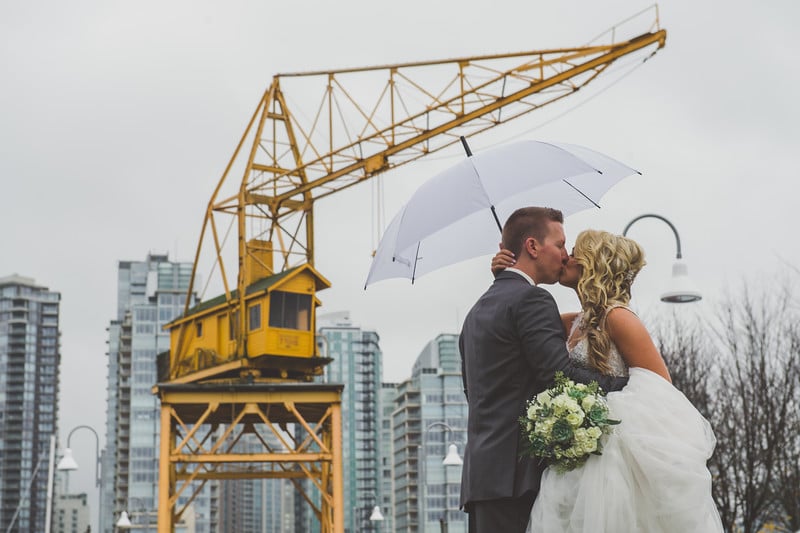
511	344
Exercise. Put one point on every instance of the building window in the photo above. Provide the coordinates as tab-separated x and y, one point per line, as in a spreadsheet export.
290	310
199	329
255	317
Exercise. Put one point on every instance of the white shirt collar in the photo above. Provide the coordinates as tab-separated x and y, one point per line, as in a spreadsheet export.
523	274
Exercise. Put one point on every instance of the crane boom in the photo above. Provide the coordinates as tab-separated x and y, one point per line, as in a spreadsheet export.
366	121
351	138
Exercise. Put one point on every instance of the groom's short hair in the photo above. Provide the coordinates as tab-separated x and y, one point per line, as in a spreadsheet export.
528	222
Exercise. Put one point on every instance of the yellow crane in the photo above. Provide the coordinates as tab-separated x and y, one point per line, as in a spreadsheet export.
244	362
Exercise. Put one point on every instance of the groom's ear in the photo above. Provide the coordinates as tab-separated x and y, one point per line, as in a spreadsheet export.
532	247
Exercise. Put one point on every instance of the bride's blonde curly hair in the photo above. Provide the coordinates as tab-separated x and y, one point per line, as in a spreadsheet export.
610	264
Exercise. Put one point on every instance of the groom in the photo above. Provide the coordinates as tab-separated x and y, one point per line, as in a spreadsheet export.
511	344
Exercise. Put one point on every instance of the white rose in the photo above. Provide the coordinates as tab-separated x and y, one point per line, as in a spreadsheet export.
588	402
572	405
589	446
544	398
575	419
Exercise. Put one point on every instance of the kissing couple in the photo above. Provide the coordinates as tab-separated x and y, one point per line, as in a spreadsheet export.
652	475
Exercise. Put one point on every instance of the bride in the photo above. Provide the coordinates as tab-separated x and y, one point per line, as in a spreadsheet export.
652	475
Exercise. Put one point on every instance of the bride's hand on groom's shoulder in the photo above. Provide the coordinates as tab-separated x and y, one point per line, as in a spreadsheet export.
502	260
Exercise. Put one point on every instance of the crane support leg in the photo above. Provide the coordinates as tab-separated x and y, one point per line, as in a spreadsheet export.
297	429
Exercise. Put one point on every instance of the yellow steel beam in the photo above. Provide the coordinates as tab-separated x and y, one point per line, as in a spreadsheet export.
247	474
193	451
166	473
253	457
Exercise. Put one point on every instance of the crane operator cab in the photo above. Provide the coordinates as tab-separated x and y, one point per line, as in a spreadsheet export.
276	342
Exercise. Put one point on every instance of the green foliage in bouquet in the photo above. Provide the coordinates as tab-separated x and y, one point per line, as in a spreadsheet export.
563	425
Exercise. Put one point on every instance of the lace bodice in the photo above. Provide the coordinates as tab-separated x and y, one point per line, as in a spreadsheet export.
580	352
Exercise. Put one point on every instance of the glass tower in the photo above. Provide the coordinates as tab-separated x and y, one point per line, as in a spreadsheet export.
29	373
357	362
150	294
430	414
386	456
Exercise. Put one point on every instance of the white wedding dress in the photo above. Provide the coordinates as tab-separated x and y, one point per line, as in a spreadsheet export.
651	476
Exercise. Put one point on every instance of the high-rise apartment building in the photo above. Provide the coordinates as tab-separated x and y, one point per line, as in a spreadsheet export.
430	414
388	393
150	294
29	379
358	364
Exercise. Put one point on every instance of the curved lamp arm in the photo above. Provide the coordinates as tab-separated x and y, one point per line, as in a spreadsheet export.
452	457
651	215
681	290
97	450
440	424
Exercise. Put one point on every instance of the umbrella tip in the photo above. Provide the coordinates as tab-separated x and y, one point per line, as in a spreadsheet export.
466	146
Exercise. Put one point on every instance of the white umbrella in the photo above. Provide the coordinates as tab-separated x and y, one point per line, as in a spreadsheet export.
457	214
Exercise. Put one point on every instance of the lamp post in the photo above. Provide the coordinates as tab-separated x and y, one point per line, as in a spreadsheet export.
124	521
681	289
138	518
376	516
451	459
68	463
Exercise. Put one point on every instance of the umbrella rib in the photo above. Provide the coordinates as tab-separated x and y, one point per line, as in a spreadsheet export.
497	220
480	182
581	192
416	258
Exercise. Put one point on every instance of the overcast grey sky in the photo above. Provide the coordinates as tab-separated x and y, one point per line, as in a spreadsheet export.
118	119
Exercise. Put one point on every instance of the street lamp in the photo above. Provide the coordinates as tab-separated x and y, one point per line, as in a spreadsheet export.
681	289
139	518
68	463
451	459
124	521
376	515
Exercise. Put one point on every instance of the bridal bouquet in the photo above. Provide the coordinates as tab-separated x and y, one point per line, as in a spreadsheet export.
563	424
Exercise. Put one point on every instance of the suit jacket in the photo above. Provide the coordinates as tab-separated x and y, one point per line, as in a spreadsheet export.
511	344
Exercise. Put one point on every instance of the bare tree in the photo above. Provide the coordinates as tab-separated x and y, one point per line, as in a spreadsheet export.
687	353
786	488
742	372
754	406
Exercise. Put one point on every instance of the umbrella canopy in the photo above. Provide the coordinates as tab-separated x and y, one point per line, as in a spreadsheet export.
457	214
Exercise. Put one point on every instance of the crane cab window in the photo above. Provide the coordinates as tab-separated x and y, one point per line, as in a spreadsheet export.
254	318
290	310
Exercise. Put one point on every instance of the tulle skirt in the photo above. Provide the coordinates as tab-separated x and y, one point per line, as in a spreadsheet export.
652	475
